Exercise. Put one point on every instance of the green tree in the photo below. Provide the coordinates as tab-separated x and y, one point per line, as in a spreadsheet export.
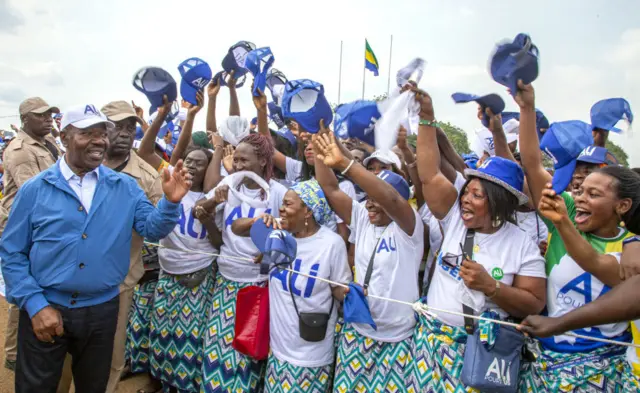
457	136
618	152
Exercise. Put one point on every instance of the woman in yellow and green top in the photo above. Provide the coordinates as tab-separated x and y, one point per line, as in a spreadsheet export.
585	233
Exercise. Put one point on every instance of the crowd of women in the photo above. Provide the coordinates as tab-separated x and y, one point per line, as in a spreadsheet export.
369	217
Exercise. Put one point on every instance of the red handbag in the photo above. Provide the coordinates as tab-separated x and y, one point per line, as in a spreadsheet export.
252	322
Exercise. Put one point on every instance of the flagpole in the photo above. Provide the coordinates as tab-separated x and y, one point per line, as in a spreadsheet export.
364	68
340	73
390	52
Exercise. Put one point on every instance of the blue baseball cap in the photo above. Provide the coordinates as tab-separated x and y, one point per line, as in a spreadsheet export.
258	62
605	114
597	155
286	132
515	60
397	182
357	120
221	79
491	101
154	82
275	82
277	246
236	57
503	172
196	74
304	102
563	142
275	114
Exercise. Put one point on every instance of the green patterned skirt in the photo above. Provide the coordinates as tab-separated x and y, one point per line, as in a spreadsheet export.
600	370
177	328
365	365
224	369
284	377
138	328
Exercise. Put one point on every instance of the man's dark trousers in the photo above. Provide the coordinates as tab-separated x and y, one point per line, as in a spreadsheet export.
88	337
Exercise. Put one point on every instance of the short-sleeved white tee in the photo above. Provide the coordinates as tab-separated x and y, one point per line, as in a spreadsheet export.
311	295
504	254
394	275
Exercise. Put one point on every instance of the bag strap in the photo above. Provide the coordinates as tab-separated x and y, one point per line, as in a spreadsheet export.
293	298
432	269
367	276
469	324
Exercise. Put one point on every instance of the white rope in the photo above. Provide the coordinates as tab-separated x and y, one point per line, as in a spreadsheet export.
418	307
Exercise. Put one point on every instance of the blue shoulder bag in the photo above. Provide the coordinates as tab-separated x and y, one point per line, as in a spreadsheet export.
492	355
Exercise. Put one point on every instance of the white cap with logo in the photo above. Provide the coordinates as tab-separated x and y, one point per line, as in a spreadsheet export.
84	116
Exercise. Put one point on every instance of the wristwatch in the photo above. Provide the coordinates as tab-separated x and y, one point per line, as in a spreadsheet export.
495	293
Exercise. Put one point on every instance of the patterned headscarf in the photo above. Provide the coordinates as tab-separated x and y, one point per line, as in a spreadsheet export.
313	196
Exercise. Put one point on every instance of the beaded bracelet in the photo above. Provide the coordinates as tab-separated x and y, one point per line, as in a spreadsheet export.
429	123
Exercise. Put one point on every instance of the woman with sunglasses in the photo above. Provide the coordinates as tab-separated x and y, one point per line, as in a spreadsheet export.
299	351
582	264
486	263
389	246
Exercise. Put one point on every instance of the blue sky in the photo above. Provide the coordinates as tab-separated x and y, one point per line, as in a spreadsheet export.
79	51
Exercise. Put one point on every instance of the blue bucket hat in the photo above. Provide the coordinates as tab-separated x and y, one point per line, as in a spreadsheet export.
275	82
304	102
504	173
221	79
278	247
515	60
563	142
236	57
275	114
357	120
196	74
154	82
397	182
258	62
491	101
605	114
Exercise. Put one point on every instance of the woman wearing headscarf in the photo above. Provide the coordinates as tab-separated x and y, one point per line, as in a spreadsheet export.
185	288
504	272
582	263
389	244
299	357
224	368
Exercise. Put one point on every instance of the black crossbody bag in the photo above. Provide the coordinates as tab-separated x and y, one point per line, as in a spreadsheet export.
312	325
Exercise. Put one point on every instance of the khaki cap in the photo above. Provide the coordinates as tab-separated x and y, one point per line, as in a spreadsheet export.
36	105
120	110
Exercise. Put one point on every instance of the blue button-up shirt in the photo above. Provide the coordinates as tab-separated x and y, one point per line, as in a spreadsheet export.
54	251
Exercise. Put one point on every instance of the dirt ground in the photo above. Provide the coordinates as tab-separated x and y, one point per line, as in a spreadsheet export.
6	377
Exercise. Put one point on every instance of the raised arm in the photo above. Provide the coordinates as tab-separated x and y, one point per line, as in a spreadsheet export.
213	176
140	114
234	105
410	160
499	138
260	102
449	156
603	266
185	135
377	189
439	193
147	149
537	176
621	304
212	91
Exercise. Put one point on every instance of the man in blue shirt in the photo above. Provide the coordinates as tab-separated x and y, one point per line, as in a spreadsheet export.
65	251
